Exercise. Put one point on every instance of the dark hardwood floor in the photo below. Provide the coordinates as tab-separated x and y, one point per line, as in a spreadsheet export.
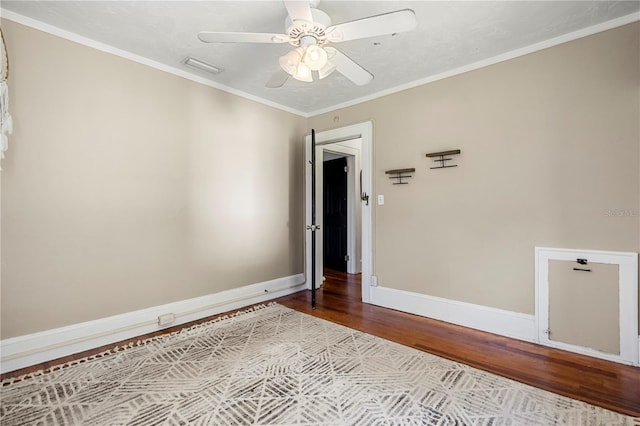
598	382
603	383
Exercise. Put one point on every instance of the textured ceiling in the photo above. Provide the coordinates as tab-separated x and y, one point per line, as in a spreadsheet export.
449	35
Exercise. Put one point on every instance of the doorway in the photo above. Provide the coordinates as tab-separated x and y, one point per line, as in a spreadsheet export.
334	213
343	142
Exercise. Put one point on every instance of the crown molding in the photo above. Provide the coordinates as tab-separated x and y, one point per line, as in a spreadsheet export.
584	32
85	41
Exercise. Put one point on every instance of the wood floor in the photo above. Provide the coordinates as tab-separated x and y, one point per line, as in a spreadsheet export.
598	382
606	384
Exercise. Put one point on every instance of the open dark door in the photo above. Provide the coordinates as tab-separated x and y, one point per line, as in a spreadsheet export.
313	227
335	214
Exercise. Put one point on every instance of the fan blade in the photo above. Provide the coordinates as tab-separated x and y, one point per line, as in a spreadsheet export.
298	10
388	23
347	67
213	37
278	79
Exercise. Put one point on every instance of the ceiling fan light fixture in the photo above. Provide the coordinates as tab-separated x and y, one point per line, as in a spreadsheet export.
315	57
290	61
326	70
309	30
303	73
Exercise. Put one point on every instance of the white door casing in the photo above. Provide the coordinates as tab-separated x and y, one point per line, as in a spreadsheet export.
365	132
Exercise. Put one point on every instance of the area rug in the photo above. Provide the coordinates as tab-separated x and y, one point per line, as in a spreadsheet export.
275	366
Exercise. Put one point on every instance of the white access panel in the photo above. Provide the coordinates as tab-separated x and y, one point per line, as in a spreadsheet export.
623	292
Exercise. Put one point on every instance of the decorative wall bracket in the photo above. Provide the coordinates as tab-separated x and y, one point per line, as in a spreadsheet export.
400	174
443	158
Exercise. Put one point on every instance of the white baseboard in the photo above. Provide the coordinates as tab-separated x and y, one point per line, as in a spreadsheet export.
506	323
23	351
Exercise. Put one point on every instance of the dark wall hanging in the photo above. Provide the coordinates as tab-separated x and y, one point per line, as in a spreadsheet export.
442	158
400	174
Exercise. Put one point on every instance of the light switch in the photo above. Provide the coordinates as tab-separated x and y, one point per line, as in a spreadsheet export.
380	200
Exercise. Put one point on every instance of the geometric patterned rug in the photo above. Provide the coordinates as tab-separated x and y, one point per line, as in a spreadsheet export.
272	365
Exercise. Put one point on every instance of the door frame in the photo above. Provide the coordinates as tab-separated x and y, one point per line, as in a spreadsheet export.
365	132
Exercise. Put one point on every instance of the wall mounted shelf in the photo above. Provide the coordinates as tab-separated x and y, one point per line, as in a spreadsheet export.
400	174
443	158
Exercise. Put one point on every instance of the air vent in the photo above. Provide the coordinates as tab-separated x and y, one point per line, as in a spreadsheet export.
202	66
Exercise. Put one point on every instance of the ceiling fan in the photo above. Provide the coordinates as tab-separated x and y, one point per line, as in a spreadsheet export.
309	30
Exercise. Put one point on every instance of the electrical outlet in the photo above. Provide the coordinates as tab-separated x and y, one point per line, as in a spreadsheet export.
166	319
374	281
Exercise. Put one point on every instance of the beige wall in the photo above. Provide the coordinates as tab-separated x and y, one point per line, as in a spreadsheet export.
550	144
126	187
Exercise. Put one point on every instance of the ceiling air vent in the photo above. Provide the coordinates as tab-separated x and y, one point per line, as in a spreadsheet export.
202	66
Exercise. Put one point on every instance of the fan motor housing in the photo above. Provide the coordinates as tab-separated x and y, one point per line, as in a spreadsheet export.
301	29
